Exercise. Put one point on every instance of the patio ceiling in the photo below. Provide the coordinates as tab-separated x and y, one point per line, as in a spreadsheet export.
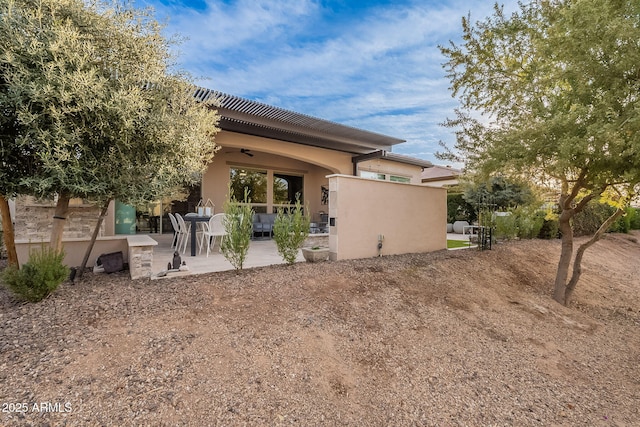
255	118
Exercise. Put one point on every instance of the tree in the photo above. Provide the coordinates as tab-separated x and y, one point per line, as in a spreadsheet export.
551	94
501	192
92	109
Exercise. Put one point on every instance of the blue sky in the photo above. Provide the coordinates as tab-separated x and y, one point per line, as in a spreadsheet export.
374	65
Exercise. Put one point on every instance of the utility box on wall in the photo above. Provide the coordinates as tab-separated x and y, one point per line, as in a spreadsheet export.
411	218
125	219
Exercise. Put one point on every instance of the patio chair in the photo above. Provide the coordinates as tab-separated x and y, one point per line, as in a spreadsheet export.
176	231
183	229
215	228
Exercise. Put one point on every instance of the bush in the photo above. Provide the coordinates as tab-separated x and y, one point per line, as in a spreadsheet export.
522	222
39	276
530	220
238	224
506	226
458	209
549	229
587	222
634	218
290	231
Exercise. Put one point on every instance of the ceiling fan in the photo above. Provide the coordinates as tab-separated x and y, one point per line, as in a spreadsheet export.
244	151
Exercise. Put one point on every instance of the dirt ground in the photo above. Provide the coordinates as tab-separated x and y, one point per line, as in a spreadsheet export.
443	339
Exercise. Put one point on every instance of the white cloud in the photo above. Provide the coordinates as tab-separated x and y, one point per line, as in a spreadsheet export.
380	71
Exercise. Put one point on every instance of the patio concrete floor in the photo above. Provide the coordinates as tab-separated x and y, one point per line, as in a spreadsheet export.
261	253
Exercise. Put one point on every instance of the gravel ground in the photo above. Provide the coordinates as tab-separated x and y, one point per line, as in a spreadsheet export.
451	338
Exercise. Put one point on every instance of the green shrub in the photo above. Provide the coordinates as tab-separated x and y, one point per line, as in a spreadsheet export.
458	209
238	224
549	229
634	218
588	221
530	220
290	231
39	276
506	226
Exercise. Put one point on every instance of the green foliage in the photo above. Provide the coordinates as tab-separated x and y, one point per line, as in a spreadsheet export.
549	94
501	192
634	218
453	244
90	107
587	222
556	84
506	227
39	276
458	209
524	222
549	229
238	224
290	231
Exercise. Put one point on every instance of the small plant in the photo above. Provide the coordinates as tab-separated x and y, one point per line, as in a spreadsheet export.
39	276
290	231
238	225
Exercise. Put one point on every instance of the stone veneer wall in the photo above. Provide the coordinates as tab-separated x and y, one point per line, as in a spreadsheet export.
321	240
33	221
140	261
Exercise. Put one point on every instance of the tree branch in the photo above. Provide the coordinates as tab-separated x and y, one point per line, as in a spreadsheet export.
577	263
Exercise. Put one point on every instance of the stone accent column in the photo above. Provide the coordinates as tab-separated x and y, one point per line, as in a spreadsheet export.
140	256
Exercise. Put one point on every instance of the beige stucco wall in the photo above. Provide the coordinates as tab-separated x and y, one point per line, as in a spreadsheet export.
74	249
313	163
411	217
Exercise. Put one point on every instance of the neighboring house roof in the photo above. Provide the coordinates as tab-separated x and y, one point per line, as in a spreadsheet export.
255	118
382	154
440	173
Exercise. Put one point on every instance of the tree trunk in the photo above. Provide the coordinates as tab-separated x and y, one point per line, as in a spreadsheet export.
96	230
577	267
566	254
7	233
59	220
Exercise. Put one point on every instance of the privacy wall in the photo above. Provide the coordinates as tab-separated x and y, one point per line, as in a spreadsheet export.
404	218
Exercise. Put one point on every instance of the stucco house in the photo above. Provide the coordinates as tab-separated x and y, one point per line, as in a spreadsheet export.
347	176
441	176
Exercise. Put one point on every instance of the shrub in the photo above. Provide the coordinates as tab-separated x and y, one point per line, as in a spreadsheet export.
238	224
549	229
530	220
634	218
290	231
588	221
39	276
522	222
458	209
506	226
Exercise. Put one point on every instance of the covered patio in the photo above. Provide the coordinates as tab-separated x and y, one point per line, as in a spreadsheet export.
261	253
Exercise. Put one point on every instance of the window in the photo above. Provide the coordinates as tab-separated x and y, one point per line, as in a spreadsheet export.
373	175
394	178
383	177
286	188
268	190
253	180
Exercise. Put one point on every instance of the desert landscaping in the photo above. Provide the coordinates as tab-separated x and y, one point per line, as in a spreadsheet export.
452	338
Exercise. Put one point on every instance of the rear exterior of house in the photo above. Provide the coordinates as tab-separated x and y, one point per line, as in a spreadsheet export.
278	155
